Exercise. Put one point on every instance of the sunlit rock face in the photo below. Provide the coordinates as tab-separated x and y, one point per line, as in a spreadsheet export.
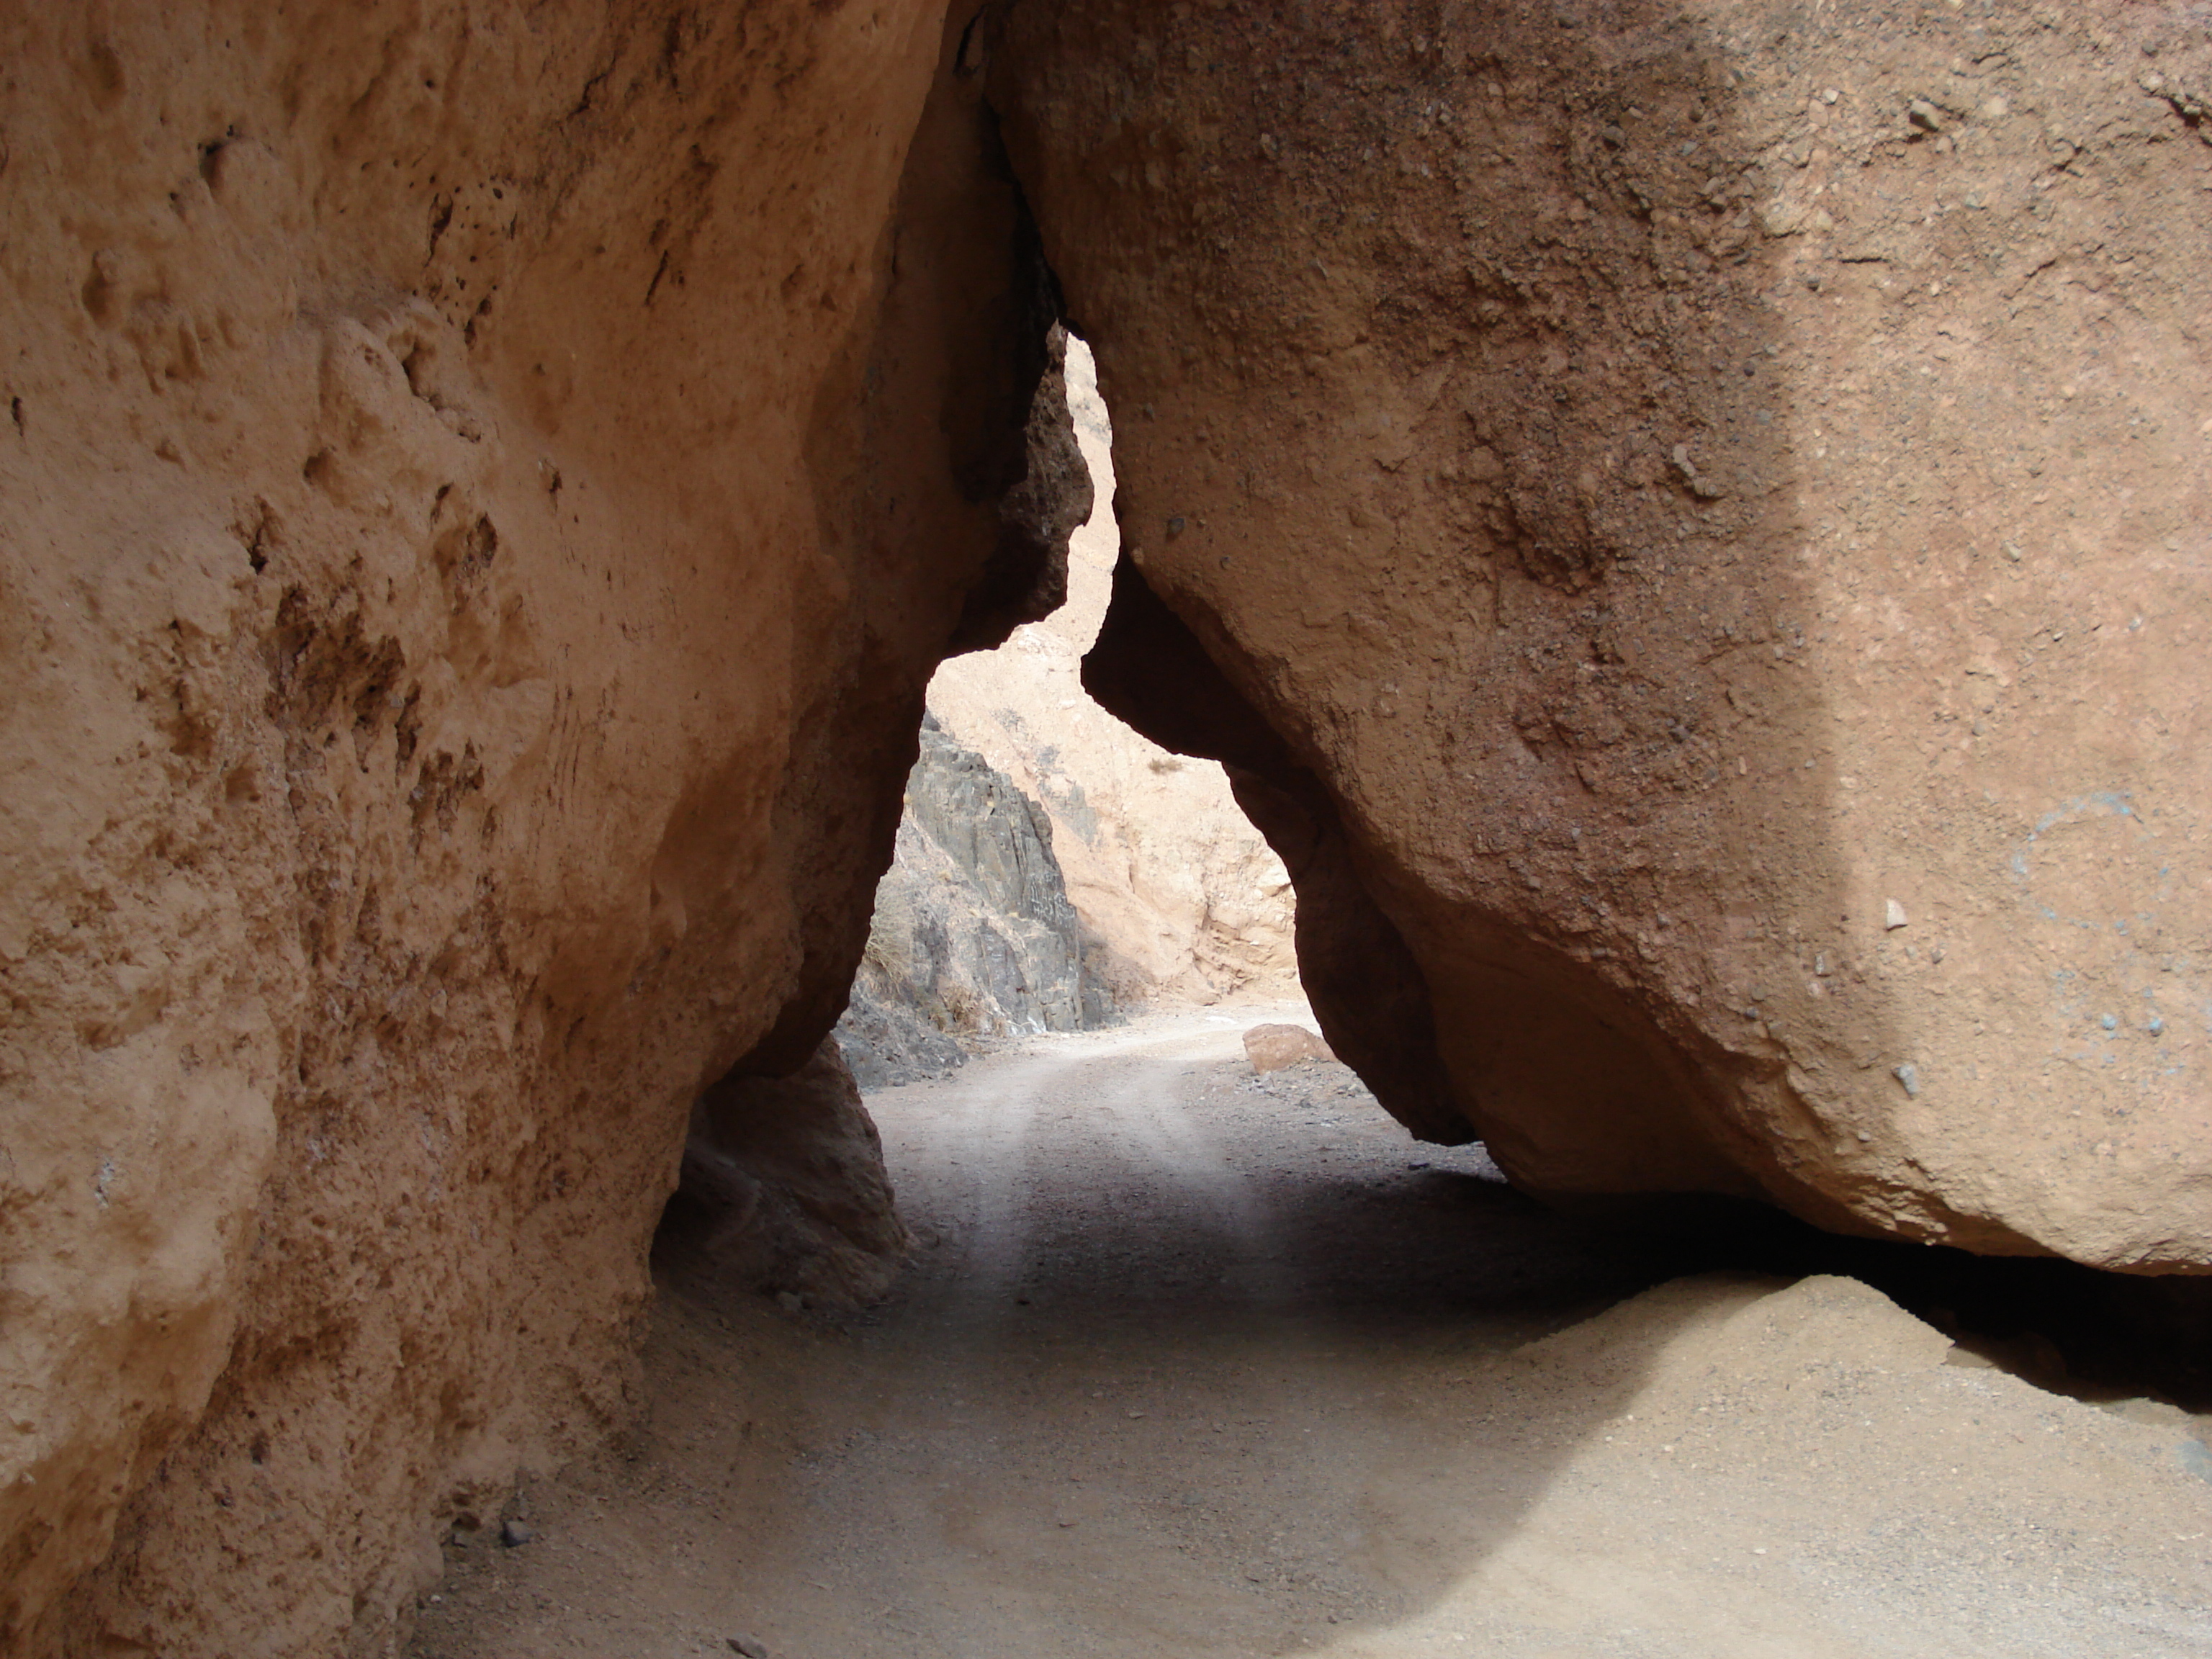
1182	900
1694	519
486	488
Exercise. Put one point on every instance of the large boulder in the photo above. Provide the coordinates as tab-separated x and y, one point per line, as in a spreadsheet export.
1690	524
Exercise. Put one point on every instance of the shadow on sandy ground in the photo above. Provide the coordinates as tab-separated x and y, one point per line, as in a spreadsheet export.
1189	1366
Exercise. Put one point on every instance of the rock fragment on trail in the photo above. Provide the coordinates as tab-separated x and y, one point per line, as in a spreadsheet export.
1271	1048
783	1190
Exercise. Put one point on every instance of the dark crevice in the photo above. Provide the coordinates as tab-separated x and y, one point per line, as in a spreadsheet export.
2097	1336
1039	480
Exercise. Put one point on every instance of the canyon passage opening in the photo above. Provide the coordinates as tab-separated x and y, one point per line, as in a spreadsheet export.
1186	1358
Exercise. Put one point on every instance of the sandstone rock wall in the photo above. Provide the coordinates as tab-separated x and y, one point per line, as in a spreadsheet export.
1186	902
485	488
1697	514
973	937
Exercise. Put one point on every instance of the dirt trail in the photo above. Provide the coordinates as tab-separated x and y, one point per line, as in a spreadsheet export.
1190	1366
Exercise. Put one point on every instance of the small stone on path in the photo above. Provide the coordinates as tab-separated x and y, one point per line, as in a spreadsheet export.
1271	1048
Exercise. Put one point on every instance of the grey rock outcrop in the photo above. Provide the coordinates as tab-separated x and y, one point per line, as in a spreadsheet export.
973	938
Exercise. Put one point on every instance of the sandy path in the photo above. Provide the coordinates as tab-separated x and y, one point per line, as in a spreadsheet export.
1189	1368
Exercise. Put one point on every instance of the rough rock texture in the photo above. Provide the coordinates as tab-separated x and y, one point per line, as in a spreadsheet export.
1186	902
973	936
784	1191
1689	528
888	1038
1271	1048
486	488
1663	482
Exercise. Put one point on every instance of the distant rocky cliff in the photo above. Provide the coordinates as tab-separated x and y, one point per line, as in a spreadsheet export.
1183	900
974	937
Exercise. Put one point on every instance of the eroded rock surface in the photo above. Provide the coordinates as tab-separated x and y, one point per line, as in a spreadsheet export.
486	488
1664	482
784	1191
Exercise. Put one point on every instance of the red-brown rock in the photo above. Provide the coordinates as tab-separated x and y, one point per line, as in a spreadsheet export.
1654	484
1271	1048
486	488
